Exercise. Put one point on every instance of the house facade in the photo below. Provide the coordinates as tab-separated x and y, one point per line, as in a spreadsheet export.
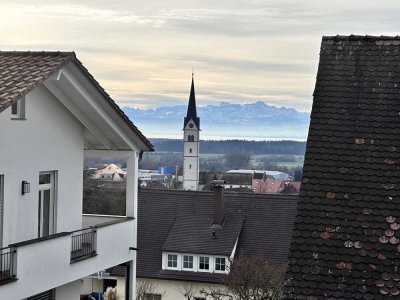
53	114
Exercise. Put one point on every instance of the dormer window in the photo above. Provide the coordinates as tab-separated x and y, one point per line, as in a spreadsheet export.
195	262
204	263
18	110
172	261
188	262
220	264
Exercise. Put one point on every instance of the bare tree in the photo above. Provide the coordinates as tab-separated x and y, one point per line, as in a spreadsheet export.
145	288
254	278
187	289
216	293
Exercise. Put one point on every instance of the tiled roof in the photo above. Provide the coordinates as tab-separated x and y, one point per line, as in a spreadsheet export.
346	240
266	230
193	234
21	71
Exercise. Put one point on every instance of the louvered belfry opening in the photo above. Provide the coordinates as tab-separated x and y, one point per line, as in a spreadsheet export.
219	191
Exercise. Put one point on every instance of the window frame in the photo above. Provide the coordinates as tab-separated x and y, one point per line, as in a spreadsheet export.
19	106
209	270
215	264
177	261
193	262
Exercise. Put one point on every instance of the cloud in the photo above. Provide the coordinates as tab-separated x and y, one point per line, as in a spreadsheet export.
142	52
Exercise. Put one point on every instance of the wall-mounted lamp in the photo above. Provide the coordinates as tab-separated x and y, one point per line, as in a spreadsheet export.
26	187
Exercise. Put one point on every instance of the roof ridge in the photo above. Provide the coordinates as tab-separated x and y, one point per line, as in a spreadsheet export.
38	53
256	195
359	37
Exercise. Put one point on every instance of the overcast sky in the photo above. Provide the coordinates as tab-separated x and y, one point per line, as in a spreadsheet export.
143	52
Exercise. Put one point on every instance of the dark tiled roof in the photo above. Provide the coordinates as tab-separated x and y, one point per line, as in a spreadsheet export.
347	230
20	72
266	230
194	234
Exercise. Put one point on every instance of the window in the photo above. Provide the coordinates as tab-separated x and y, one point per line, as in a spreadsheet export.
190	138
48	295
187	262
204	263
172	261
152	297
190	150
190	166
220	264
18	110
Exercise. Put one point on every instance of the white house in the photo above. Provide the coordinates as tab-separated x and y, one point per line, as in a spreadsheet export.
112	172
53	113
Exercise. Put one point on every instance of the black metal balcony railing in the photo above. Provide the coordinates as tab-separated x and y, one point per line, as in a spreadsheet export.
83	243
7	264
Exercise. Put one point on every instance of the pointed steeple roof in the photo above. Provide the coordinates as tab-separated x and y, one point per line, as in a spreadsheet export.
191	111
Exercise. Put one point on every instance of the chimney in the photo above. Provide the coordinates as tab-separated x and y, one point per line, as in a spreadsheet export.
218	202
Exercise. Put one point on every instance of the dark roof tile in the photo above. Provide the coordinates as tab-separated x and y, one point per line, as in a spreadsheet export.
344	244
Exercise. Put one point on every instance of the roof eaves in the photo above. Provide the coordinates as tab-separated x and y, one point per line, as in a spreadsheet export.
358	37
116	108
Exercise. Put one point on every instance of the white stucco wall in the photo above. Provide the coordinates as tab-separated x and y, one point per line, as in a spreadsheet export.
191	159
50	139
69	291
168	288
45	265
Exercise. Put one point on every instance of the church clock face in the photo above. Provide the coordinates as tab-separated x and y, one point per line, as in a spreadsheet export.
190	125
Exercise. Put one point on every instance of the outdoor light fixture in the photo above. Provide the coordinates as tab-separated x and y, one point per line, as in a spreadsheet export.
26	187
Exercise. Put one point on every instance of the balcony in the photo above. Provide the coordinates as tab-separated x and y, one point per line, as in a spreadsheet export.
43	263
83	244
7	265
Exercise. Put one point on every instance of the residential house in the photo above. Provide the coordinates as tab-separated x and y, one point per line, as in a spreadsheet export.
346	240
53	113
111	172
191	236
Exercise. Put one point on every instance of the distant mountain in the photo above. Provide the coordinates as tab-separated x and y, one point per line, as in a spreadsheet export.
224	121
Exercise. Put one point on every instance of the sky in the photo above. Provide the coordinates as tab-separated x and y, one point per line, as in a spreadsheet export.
241	51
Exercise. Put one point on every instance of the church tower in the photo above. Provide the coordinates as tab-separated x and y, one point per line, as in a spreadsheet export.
191	141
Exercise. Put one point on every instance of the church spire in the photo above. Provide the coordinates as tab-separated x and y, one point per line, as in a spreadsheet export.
191	111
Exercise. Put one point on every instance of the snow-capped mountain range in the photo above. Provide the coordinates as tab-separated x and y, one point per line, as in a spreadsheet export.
224	121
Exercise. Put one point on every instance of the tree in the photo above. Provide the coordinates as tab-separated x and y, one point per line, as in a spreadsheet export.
144	288
237	160
187	289
254	278
298	174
